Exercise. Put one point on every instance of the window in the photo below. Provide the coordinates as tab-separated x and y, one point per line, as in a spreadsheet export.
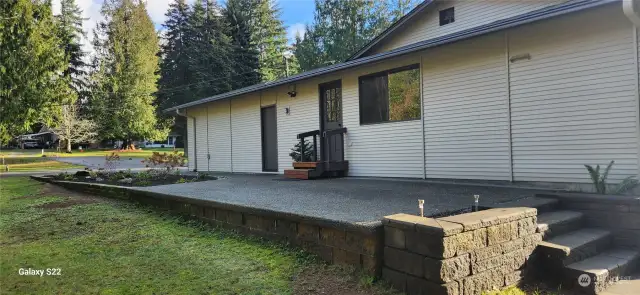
447	16
390	96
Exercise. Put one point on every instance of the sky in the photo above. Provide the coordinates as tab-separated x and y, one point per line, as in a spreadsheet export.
295	14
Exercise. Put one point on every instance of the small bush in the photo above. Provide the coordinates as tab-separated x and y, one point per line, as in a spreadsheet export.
600	180
308	152
168	161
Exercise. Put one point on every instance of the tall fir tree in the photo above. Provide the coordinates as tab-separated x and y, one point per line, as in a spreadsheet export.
210	51
71	33
238	15
270	37
341	27
174	64
125	79
31	60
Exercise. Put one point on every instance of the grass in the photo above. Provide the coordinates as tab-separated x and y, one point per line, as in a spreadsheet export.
143	153
35	164
113	247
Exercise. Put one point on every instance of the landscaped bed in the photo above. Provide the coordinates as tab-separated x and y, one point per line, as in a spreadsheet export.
149	177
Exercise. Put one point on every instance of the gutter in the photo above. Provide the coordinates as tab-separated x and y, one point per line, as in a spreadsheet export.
631	9
534	16
195	158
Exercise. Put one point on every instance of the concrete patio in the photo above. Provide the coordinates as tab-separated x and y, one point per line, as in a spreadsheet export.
345	200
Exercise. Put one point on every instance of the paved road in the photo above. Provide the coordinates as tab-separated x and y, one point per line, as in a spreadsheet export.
97	162
344	199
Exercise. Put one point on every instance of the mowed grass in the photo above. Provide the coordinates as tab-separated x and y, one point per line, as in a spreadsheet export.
34	164
114	247
142	153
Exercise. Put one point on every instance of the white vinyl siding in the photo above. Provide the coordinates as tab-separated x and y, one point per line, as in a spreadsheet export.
468	14
219	136
245	133
389	149
303	117
191	164
201	140
574	102
466	110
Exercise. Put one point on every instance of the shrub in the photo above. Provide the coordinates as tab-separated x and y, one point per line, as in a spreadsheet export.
143	182
600	180
168	161
181	180
308	152
111	161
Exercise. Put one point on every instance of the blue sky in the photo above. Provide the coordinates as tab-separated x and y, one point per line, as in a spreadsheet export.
295	13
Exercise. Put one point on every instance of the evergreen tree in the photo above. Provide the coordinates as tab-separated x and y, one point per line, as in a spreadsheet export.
245	58
70	27
210	51
342	27
31	58
125	79
270	37
174	65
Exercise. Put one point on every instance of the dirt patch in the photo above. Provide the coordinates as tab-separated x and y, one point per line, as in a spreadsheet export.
66	203
335	281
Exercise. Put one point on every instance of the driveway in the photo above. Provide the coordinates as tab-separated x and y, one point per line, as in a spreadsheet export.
98	162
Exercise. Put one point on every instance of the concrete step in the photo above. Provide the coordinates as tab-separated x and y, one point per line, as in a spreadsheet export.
542	204
554	223
574	246
602	270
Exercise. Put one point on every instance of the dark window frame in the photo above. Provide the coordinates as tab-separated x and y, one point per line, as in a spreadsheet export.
387	73
443	13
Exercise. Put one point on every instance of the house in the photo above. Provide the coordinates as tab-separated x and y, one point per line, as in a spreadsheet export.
525	91
172	140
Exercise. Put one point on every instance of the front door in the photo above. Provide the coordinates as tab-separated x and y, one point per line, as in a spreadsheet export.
330	119
269	139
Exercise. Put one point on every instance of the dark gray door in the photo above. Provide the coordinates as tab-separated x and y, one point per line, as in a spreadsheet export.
330	119
269	139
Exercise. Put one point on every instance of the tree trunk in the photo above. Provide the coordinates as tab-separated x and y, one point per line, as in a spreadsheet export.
68	146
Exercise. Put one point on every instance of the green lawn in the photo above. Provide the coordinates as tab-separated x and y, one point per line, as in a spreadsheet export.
143	153
34	164
113	247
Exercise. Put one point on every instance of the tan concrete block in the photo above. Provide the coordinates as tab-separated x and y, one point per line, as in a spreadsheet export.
527	226
513	278
468	241
422	224
486	281
332	237
486	253
532	240
428	245
394	237
502	233
485	218
515	260
403	261
446	270
307	232
342	257
484	265
397	279
419	286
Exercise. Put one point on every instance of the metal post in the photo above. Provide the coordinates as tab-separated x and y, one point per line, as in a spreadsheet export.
315	148
302	149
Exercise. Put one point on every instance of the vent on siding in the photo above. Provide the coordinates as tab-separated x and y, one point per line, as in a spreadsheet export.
447	16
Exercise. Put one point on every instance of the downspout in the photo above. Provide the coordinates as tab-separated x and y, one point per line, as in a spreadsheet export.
424	140
631	9
195	157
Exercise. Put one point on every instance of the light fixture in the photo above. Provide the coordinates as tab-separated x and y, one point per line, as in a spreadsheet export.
520	57
287	110
292	90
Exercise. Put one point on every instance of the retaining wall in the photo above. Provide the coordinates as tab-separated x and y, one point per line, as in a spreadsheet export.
618	214
459	255
334	242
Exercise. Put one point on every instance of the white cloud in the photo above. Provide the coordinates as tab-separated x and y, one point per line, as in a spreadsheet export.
295	29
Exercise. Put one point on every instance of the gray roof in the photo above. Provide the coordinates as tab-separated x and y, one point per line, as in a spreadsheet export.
533	16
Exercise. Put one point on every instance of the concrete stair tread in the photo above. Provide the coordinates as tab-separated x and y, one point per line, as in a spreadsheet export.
603	270
574	246
577	238
605	262
558	222
542	204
